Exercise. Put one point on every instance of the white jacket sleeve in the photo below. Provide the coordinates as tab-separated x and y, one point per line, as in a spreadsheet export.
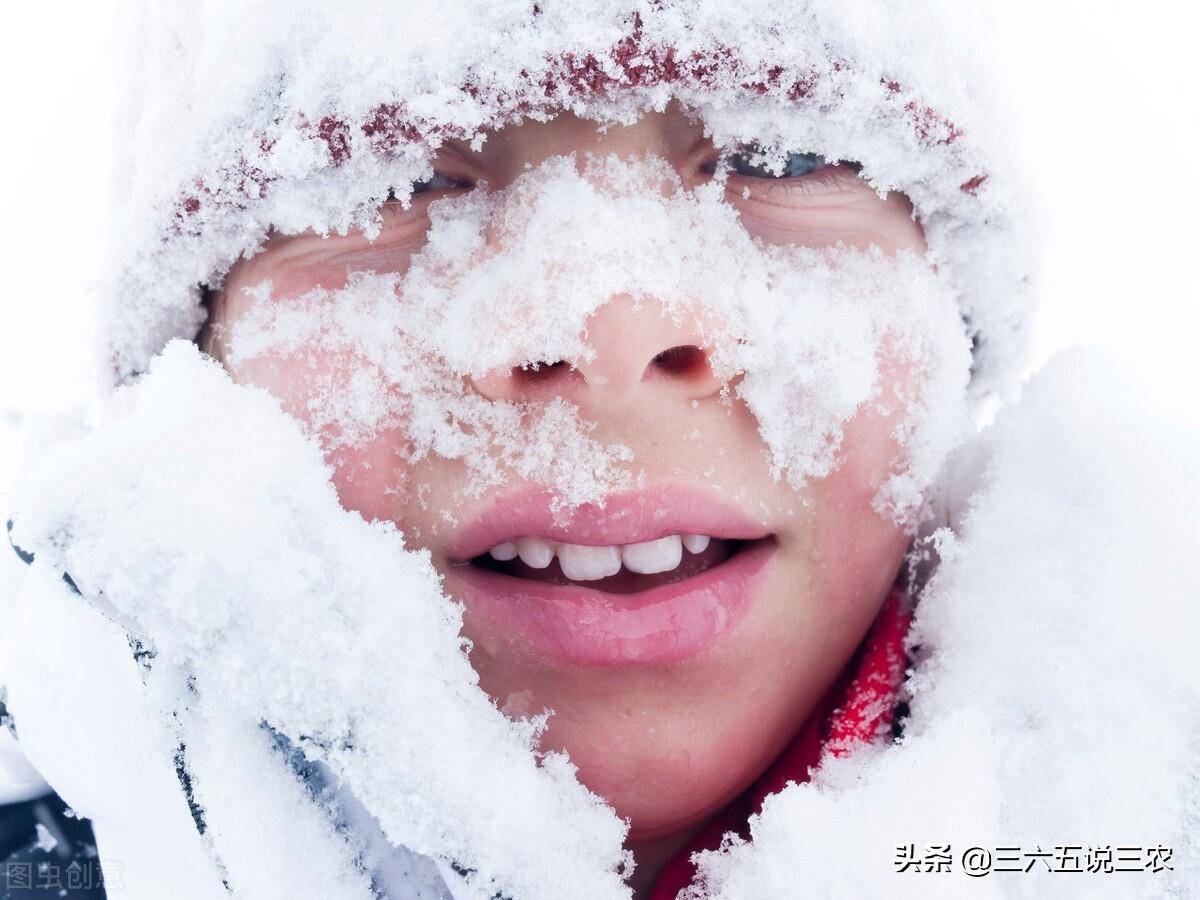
19	780
87	722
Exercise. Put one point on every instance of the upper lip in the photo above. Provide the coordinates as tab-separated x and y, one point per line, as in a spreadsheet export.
625	518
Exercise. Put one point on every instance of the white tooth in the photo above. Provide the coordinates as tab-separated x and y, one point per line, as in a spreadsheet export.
652	557
504	552
535	552
581	563
696	543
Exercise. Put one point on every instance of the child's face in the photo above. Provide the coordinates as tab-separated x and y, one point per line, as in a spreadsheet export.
670	691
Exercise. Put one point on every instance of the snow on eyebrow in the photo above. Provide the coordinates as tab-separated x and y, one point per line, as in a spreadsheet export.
270	610
510	278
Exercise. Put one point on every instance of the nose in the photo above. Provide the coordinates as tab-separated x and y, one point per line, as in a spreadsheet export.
638	350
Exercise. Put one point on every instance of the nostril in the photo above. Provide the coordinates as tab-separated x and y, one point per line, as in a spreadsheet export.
541	372
683	361
528	381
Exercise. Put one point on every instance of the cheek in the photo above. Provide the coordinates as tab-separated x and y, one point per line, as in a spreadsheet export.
297	264
857	550
330	267
298	382
370	476
860	219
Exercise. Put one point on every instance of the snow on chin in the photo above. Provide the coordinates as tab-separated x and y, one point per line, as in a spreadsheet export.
510	278
265	602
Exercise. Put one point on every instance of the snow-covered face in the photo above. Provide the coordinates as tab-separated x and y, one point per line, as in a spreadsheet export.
647	538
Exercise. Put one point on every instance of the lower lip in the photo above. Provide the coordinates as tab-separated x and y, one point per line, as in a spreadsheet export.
586	627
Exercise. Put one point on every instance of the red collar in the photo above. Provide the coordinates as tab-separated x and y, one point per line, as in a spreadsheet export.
858	709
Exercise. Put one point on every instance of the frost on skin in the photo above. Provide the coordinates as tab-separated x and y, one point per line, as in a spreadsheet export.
1038	716
268	605
388	373
510	278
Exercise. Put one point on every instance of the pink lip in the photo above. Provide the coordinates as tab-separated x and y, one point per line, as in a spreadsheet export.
624	519
587	627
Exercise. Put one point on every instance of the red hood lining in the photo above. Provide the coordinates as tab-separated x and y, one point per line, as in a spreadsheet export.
631	63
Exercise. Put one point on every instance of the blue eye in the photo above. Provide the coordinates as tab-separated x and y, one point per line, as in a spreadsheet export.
756	163
437	182
434	183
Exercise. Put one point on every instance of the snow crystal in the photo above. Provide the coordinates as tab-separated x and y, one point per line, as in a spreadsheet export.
269	610
1039	718
510	278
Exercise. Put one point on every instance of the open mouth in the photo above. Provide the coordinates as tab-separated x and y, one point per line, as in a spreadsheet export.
621	569
652	577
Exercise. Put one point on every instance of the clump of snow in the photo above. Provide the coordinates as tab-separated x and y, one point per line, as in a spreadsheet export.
1056	700
389	373
271	610
510	279
45	840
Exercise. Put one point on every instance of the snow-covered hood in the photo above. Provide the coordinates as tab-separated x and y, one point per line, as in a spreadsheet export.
239	118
